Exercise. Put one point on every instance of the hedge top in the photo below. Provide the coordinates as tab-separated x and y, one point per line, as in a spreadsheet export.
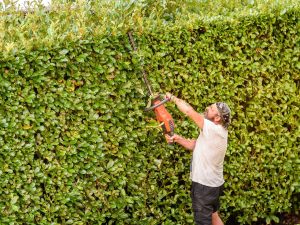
44	28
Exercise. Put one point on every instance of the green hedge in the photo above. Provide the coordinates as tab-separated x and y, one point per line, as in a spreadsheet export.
77	147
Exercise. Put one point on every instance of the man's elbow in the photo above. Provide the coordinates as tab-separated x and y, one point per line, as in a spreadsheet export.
193	145
192	148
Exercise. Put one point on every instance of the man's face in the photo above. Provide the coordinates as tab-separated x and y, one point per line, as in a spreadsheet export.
211	113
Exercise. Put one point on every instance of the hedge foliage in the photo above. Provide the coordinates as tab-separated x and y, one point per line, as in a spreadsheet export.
77	147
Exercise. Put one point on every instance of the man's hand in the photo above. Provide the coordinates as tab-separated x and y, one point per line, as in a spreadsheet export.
186	143
170	139
169	96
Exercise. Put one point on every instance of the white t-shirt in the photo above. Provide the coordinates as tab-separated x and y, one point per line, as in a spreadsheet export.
208	155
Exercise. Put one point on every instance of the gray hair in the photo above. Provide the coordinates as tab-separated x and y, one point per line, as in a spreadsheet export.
225	112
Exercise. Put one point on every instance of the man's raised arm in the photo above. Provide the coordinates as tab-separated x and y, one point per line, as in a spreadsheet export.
188	110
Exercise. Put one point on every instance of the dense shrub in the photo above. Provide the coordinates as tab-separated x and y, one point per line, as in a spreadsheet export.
77	147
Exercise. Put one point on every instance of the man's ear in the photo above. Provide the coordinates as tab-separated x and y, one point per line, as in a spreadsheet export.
217	119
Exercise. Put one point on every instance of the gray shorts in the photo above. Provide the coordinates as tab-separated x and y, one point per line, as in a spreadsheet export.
205	201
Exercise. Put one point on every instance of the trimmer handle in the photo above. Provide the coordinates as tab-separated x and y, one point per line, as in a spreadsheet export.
162	115
157	105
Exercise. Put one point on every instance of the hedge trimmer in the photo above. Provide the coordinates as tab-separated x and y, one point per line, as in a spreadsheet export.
157	100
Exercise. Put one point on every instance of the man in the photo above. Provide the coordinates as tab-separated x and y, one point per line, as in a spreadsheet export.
208	157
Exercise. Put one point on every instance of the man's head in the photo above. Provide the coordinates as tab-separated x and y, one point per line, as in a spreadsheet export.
219	113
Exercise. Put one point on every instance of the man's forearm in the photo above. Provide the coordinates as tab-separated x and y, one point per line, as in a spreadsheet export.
187	110
186	143
182	105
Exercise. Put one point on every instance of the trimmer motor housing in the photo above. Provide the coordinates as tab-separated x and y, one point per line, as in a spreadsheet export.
163	116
